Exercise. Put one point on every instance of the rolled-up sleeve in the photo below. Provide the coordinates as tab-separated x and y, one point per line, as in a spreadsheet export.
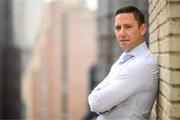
122	85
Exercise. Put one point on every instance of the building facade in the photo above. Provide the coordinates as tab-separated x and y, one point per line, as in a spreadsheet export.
46	55
78	39
55	84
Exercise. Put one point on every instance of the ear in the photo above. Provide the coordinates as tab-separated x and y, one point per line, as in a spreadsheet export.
143	28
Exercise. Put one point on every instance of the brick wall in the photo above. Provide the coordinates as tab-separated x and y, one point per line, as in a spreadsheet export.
164	39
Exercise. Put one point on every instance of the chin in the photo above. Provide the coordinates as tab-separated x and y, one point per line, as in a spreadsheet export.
124	47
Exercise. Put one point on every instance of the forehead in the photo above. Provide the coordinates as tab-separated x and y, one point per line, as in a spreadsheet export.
125	17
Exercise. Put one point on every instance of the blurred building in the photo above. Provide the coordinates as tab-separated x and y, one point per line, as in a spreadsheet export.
10	65
46	53
79	55
55	78
26	17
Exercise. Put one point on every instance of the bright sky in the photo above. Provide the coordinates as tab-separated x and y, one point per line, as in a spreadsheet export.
92	4
47	1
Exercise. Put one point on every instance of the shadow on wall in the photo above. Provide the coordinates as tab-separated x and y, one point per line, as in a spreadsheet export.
92	83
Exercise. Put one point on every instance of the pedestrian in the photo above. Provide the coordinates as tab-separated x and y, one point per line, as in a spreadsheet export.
129	90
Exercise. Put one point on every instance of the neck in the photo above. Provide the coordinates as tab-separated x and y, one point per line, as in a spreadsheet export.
128	50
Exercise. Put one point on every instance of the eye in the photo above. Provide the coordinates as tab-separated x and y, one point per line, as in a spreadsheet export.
127	26
117	27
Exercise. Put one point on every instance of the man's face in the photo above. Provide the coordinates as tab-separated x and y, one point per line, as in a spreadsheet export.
128	33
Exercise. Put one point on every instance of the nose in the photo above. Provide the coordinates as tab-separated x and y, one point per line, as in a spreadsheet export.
122	32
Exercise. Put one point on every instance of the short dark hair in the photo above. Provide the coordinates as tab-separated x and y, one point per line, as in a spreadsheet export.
135	11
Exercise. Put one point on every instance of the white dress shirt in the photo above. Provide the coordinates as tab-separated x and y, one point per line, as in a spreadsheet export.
129	90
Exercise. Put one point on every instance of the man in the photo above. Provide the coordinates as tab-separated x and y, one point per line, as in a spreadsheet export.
129	90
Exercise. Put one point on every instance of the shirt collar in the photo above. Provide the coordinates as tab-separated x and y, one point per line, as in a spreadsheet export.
136	51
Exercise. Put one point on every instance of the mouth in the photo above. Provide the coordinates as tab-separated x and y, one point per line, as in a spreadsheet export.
124	40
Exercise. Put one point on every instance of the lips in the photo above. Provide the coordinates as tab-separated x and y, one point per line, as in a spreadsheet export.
123	40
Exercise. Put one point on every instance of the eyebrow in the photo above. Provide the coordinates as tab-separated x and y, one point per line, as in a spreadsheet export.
127	24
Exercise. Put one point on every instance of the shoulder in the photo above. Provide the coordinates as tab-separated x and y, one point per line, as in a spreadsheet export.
143	62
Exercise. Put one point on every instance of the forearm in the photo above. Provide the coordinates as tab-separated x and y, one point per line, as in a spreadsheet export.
95	102
101	99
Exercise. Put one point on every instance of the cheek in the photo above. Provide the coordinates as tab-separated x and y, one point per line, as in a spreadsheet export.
134	37
135	34
116	34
